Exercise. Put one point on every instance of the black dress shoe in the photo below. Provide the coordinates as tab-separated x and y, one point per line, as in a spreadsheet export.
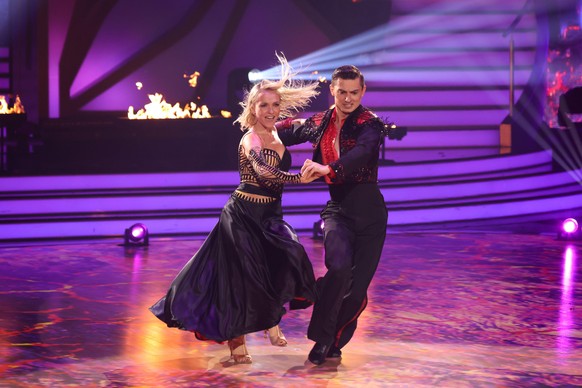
334	352
318	353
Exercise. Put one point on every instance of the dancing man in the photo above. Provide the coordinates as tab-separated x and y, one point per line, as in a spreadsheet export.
346	140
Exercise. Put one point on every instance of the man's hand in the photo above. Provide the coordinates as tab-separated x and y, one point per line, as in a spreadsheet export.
312	170
307	178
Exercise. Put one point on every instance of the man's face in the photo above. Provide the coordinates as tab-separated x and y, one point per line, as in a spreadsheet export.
347	94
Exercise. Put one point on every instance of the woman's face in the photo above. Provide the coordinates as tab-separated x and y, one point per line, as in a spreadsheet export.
267	109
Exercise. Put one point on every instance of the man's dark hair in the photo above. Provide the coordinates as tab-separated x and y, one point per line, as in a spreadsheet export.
348	72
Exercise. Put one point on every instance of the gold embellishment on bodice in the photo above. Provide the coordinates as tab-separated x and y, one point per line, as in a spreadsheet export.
261	168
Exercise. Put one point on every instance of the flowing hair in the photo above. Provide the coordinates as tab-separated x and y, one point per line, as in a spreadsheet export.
295	95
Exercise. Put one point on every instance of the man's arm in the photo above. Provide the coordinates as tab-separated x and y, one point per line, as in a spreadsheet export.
296	131
367	145
290	131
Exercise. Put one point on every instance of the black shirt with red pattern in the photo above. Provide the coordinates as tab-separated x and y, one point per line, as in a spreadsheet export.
361	135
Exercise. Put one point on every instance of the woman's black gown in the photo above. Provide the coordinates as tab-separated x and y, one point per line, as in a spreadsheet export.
250	264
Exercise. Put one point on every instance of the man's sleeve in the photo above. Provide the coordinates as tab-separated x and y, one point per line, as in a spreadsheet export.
291	134
367	144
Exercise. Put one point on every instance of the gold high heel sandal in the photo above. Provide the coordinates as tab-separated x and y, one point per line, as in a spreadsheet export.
276	336
238	350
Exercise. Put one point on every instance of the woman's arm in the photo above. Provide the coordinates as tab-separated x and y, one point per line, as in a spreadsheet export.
252	148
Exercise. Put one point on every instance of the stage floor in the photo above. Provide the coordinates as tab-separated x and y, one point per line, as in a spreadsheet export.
446	309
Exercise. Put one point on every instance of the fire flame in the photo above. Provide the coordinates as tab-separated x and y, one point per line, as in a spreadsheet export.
192	79
17	108
158	108
320	78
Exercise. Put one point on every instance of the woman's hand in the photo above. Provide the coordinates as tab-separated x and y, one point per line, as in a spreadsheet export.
312	170
307	178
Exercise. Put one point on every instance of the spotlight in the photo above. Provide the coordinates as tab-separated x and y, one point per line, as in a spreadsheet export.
136	234
318	230
254	75
570	225
569	230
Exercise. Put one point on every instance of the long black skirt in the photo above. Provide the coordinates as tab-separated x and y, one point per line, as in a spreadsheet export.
238	282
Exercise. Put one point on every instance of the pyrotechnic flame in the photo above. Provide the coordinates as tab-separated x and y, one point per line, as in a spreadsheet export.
192	79
321	78
17	108
158	108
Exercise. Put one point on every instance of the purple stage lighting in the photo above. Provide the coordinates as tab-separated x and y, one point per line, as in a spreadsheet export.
570	225
569	230
137	234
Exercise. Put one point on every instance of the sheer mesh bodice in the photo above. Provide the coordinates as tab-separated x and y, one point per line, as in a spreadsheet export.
266	169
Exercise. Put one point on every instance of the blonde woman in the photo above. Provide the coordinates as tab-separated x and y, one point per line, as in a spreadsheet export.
252	263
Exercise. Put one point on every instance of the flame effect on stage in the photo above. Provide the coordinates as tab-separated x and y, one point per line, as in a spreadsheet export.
158	108
17	108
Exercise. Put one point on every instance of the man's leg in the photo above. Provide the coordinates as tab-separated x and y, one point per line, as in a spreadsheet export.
338	241
366	258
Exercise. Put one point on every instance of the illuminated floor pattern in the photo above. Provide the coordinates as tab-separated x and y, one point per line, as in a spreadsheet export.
451	310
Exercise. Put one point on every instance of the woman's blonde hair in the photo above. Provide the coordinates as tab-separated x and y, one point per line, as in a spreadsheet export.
295	95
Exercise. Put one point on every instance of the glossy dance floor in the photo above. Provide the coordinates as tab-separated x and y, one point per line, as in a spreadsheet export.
450	310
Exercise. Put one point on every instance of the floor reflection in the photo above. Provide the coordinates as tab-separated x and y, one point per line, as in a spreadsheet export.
445	310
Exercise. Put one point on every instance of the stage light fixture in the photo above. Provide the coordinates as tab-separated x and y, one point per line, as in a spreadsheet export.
254	75
136	235
318	230
570	225
569	230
